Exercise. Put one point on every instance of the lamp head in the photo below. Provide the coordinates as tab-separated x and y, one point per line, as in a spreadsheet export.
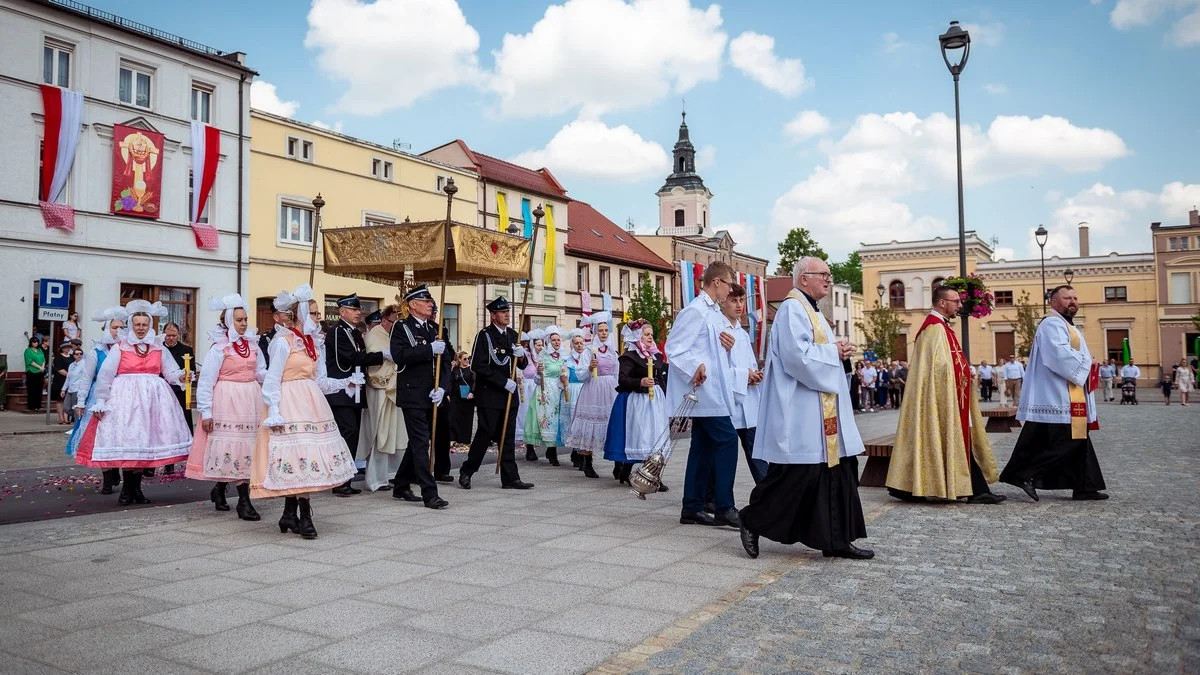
1041	235
1069	275
880	289
955	42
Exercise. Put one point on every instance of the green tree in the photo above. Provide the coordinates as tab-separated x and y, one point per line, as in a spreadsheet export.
881	330
647	303
1196	321
1025	327
849	272
798	244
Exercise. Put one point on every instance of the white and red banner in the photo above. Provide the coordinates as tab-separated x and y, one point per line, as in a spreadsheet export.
63	111
206	153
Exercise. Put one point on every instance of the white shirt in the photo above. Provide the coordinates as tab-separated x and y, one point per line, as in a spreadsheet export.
985	372
1131	371
210	371
790	421
694	339
1052	364
1013	370
744	414
868	376
1107	371
77	378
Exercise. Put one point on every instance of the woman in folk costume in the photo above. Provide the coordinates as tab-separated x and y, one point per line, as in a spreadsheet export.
541	421
229	398
578	364
595	401
638	425
136	422
534	341
299	449
112	323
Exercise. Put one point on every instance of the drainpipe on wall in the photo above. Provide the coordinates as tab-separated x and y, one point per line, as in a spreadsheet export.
240	174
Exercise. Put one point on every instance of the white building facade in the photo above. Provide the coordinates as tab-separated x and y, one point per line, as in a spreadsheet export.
132	75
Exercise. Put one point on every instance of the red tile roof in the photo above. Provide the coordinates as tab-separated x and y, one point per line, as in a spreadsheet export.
777	290
490	168
594	236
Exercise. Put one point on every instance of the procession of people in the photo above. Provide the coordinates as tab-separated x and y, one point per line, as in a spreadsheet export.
303	409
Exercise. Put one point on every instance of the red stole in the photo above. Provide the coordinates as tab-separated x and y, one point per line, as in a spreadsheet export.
962	378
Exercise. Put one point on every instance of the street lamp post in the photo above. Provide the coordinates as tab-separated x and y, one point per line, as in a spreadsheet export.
958	41
879	289
1069	275
1041	235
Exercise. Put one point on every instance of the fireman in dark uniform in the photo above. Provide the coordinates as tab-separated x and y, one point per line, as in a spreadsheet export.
346	350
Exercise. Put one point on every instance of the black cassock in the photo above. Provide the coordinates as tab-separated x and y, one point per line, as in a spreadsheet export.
492	363
1046	454
178	352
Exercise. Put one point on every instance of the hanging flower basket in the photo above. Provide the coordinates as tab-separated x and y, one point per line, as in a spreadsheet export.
977	300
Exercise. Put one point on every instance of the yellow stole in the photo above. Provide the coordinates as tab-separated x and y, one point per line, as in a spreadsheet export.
1078	397
829	409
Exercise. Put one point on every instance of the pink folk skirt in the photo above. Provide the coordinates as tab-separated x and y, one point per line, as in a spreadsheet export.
226	453
143	427
308	455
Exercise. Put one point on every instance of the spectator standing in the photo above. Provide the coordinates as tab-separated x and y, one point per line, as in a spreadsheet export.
35	374
1107	372
870	377
985	381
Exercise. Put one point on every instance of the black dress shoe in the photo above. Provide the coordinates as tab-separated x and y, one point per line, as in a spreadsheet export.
749	542
1088	495
406	494
709	508
342	490
519	485
852	552
464	480
353	490
698	518
729	517
904	496
1027	486
437	503
986	498
447	478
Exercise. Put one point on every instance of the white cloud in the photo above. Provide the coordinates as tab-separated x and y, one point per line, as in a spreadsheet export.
706	157
806	125
987	34
996	88
264	97
597	56
591	149
858	194
1118	220
893	43
336	126
754	54
1185	32
390	53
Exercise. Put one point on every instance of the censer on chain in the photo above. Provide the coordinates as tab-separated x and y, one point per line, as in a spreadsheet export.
648	477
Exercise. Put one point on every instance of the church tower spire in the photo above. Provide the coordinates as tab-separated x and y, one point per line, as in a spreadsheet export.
683	199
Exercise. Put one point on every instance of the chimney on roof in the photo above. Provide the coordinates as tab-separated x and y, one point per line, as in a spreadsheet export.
1084	247
1193	217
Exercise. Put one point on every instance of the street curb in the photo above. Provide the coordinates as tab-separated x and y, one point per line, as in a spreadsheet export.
636	656
34	432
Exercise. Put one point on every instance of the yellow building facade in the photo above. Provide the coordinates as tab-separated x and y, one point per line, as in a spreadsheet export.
362	184
1117	295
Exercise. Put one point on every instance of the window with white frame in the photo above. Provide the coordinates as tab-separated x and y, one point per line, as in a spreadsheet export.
295	224
441	183
306	151
65	197
381	168
376	219
293	147
134	84
56	63
1180	290
202	101
208	204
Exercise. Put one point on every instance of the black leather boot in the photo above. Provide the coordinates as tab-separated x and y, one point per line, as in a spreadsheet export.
217	496
109	483
587	467
552	456
135	490
245	509
306	531
577	460
288	520
530	453
126	497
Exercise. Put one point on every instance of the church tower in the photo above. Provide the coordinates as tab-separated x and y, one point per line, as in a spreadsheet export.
683	201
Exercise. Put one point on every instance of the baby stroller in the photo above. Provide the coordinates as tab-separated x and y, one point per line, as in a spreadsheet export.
1129	391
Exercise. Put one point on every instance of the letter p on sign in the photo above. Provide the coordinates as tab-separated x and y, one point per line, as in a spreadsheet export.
54	293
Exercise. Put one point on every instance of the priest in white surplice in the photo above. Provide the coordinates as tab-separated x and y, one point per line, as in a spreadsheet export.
698	347
1058	407
383	437
806	431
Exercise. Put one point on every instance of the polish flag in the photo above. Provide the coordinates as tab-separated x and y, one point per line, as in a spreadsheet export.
63	110
206	152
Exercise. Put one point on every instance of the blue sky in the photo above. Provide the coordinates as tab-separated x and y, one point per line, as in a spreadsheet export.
1073	110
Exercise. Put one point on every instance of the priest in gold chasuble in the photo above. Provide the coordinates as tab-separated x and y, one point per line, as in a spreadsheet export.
1058	408
941	450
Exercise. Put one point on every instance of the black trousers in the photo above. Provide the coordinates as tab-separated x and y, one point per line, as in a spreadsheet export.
348	419
491	420
33	390
414	467
985	389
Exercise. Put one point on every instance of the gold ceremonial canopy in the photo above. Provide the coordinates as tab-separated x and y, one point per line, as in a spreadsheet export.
384	253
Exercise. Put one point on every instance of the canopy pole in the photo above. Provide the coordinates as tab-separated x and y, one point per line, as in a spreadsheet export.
512	369
450	189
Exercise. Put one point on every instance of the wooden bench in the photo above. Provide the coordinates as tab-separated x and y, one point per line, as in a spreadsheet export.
879	457
1001	420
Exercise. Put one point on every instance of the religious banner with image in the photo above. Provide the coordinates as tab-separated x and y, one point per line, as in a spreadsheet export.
137	172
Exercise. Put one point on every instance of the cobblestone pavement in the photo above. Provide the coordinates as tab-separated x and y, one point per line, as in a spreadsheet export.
1057	586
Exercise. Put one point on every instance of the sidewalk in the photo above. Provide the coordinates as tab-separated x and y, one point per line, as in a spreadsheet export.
553	580
18	423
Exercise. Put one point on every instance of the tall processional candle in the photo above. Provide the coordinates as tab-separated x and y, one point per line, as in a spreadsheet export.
187	381
357	389
650	374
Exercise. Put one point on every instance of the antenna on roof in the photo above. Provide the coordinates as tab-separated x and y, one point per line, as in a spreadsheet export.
629	226
398	144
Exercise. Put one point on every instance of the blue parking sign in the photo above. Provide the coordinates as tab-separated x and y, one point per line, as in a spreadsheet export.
54	293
